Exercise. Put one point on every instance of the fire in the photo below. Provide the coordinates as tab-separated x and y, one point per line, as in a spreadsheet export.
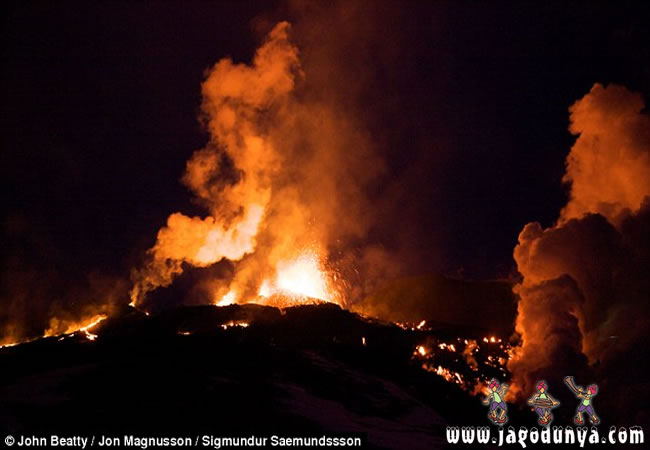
90	336
64	329
421	326
58	328
296	280
445	346
13	344
463	361
233	323
265	289
302	276
448	375
272	183
227	299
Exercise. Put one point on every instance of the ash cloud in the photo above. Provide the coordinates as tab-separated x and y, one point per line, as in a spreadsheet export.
237	98
608	167
286	170
585	285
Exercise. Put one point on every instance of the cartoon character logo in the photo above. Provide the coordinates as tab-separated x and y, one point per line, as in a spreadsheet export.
542	403
495	394
585	406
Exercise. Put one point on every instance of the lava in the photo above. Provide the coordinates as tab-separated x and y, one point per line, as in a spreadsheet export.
235	323
463	362
59	328
299	280
64	329
301	277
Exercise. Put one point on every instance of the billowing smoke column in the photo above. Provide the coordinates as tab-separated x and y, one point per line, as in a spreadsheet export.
236	99
584	293
282	178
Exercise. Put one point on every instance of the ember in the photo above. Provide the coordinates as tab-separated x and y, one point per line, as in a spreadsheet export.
233	323
464	363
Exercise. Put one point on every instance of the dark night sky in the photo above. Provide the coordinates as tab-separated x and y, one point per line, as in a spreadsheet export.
100	103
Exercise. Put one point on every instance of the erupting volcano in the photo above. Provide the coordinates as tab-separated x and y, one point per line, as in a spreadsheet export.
297	281
256	178
322	218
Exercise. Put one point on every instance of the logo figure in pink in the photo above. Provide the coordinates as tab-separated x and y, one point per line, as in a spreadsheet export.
496	393
585	406
542	403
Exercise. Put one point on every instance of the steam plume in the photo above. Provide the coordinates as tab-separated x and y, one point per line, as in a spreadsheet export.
236	97
609	165
281	165
585	279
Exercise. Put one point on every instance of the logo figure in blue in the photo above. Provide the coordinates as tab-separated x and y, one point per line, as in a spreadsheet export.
496	394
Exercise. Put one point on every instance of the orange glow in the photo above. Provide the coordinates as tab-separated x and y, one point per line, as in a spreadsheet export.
445	346
90	336
235	323
227	299
273	180
302	276
265	289
448	375
59	327
466	357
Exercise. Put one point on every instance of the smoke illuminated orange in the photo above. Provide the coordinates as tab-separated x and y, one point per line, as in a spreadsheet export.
58	327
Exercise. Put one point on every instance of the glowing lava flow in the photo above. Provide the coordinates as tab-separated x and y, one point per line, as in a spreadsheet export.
235	323
463	362
13	344
83	327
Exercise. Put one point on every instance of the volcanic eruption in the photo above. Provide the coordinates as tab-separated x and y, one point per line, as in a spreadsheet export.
309	225
272	179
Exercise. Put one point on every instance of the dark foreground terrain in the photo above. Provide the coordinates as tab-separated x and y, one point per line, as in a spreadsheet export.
239	370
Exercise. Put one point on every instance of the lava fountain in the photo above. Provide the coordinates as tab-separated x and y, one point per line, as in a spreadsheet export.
298	280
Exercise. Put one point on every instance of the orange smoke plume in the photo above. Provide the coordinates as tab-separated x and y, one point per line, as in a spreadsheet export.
235	99
282	187
608	167
584	280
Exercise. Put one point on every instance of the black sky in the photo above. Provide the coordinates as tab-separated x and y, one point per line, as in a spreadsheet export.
100	103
